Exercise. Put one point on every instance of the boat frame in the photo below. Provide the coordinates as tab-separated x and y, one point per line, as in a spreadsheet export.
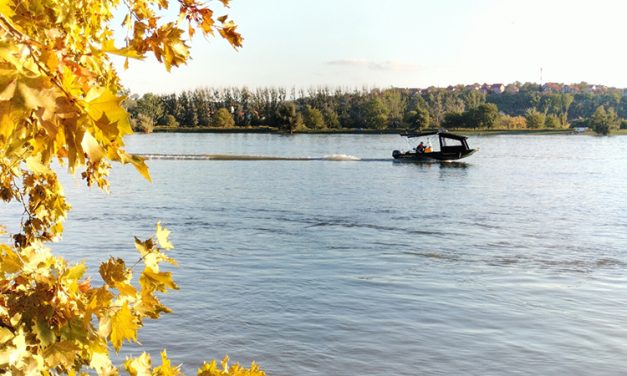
446	152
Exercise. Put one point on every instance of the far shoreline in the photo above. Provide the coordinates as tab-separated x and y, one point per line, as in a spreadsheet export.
463	131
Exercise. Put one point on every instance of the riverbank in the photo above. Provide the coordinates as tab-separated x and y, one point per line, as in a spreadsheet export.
463	131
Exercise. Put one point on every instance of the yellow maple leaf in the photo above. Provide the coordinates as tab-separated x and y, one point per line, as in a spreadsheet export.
76	272
149	305
10	261
102	364
160	281
166	369
43	332
102	102
124	326
114	271
5	335
34	164
144	247
19	350
99	299
140	366
91	147
61	353
162	237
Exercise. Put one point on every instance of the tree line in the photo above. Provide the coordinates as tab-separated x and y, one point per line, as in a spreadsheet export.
529	106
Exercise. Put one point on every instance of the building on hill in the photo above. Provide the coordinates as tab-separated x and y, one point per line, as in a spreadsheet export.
497	88
474	87
570	89
512	89
552	87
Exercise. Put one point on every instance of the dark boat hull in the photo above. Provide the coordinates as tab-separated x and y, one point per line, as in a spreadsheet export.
433	156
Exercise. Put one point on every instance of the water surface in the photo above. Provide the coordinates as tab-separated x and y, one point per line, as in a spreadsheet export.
513	262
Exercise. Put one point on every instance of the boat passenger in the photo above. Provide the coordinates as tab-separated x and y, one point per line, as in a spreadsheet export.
429	148
420	148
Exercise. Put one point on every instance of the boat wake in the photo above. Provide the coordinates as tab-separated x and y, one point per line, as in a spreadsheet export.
233	157
340	157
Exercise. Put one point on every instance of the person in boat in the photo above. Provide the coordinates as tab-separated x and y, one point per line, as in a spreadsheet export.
428	148
420	148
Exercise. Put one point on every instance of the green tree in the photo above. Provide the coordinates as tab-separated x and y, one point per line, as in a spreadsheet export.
171	106
419	118
376	113
395	105
331	119
223	119
201	107
534	119
151	107
552	121
313	118
512	122
453	120
484	116
566	101
143	124
290	118
170	121
602	121
473	98
189	114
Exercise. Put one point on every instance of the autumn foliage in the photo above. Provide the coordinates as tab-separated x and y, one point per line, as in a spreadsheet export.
59	102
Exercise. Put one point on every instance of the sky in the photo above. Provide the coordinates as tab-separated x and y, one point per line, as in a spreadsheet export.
402	43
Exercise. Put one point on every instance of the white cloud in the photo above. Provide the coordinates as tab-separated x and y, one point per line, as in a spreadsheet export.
387	65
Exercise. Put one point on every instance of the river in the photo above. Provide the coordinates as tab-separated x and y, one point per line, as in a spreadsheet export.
338	261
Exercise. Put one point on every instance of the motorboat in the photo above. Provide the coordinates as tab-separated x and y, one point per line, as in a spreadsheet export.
451	147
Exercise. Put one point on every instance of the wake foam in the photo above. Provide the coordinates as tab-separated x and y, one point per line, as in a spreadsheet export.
341	157
232	157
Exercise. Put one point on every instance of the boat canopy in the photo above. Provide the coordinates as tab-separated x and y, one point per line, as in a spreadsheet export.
441	133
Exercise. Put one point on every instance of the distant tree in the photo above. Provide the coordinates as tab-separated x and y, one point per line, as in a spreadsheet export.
603	121
376	113
151	107
130	104
550	104
201	107
299	122
331	119
223	119
454	120
534	119
473	98
187	116
289	117
143	123
395	105
512	122
566	101
484	116
313	118
170	121
552	121
418	118
171	106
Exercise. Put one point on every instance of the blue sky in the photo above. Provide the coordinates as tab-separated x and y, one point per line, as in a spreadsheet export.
403	43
